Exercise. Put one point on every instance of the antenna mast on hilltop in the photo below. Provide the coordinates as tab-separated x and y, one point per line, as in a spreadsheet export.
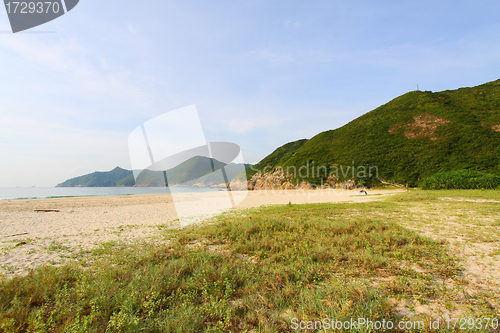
417	87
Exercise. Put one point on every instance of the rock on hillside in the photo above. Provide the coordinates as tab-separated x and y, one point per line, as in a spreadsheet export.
277	179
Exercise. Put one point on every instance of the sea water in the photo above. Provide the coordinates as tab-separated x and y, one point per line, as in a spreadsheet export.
10	193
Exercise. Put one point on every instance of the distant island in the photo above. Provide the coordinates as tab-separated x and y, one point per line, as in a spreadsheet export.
197	171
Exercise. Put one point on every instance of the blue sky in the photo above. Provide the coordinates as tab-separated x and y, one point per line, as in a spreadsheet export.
261	73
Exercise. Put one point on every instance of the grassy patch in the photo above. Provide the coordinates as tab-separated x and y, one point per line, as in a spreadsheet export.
57	246
250	270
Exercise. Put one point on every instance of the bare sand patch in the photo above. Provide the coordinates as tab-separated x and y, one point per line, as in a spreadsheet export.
467	200
30	238
468	227
259	198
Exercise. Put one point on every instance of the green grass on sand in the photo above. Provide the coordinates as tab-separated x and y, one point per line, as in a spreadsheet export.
246	271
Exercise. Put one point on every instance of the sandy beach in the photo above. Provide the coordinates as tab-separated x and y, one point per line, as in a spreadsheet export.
35	232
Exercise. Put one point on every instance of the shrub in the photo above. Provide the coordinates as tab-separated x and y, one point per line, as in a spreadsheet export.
462	179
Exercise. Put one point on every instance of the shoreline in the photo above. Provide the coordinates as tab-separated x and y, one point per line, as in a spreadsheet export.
36	193
206	189
41	231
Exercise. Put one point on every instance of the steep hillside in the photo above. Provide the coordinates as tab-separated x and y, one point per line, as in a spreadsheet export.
277	157
410	138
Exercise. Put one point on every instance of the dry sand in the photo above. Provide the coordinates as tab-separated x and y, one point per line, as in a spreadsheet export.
35	232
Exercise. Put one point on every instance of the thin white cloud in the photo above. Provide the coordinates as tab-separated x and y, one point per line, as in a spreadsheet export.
131	29
272	56
291	24
34	148
36	136
75	64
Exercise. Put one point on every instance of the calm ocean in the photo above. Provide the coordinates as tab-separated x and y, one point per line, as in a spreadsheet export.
9	193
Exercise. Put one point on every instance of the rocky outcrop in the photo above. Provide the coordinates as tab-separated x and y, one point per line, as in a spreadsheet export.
271	180
424	125
278	180
238	185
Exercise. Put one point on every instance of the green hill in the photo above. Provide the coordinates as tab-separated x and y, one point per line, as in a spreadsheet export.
412	137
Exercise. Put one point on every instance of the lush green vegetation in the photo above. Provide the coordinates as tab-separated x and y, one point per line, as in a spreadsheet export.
248	270
463	179
406	150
